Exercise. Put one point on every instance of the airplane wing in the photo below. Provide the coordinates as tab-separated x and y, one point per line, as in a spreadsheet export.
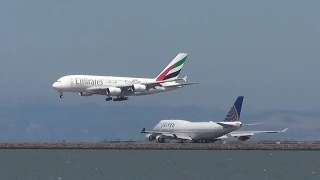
169	135
128	88
251	133
180	84
181	136
222	137
144	131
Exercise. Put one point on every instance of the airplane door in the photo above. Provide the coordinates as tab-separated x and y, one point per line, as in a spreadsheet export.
71	81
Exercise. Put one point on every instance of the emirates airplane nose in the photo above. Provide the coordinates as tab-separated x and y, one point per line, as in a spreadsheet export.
56	85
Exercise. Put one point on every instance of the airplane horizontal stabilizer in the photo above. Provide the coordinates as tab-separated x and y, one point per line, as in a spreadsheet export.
185	78
226	124
144	131
252	124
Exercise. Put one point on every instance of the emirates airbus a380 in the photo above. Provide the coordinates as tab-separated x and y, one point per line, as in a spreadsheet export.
121	87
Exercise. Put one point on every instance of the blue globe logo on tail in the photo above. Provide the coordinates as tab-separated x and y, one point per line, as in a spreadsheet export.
234	113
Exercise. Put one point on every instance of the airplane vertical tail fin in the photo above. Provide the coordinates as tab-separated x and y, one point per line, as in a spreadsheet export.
172	71
234	113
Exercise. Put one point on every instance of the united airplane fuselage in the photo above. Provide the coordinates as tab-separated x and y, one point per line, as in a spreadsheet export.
196	130
184	130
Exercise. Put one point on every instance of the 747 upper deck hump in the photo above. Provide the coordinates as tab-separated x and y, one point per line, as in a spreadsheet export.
198	132
119	88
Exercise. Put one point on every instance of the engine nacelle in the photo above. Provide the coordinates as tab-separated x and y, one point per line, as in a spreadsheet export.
139	87
243	138
149	137
160	139
85	94
113	91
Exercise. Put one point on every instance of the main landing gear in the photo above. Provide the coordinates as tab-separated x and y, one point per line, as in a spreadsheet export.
201	141
119	98
109	98
206	141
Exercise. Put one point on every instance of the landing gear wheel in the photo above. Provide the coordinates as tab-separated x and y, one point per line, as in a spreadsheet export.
108	98
120	98
61	95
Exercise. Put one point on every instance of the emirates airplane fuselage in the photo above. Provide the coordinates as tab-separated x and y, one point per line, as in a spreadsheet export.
120	87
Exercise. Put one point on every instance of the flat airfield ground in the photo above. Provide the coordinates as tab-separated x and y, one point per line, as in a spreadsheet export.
165	146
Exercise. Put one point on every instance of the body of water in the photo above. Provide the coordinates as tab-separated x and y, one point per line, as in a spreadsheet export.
156	164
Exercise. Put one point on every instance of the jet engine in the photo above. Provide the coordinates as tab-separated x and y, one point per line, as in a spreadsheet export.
139	87
150	137
160	139
85	94
243	138
113	91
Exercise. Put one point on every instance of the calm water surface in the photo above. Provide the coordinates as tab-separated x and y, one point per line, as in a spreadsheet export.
152	164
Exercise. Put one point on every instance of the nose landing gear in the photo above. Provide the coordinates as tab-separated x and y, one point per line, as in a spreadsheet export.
61	95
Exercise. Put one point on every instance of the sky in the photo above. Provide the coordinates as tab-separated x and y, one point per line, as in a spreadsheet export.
267	51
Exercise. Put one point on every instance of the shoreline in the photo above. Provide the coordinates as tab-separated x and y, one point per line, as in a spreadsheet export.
160	146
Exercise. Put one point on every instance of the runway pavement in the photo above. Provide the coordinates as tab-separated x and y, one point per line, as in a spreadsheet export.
166	146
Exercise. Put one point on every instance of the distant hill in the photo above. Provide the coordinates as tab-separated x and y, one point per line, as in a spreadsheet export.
91	122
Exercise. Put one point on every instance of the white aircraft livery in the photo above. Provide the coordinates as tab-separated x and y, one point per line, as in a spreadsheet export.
196	132
120	87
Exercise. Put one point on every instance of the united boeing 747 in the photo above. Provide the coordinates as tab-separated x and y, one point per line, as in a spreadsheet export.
196	132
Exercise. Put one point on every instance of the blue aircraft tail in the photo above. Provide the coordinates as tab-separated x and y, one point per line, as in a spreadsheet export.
234	113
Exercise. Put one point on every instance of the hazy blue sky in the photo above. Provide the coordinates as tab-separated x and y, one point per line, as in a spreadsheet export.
267	51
